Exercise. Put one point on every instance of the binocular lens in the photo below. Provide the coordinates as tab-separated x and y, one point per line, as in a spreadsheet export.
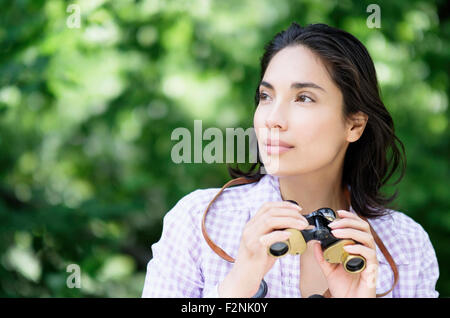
355	264
279	249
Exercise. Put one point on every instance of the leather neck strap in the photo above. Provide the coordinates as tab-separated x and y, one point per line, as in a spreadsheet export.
215	248
225	256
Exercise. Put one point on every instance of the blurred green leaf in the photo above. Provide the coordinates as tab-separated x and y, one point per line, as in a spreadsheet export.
86	116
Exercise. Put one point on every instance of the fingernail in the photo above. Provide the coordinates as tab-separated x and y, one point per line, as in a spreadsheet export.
333	224
295	203
302	224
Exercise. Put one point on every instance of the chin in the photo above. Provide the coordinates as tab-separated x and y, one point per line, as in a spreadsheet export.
277	171
287	170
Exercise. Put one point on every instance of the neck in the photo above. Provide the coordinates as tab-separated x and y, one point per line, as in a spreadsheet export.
313	192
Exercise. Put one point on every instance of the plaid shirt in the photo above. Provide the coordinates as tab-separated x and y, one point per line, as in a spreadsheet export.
183	265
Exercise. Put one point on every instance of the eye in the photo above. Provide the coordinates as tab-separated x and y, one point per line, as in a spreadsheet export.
305	99
263	96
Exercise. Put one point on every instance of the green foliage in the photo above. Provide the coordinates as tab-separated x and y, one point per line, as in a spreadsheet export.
86	116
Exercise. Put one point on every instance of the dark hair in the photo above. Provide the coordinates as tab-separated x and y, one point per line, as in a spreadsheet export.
366	164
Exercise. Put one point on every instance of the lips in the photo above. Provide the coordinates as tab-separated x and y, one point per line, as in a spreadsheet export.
278	143
277	146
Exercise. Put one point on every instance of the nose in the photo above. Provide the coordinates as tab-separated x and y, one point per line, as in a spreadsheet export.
276	120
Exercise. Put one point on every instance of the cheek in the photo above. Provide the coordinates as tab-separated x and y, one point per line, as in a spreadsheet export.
316	131
258	122
320	135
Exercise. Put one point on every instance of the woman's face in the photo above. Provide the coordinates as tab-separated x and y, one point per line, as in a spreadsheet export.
308	116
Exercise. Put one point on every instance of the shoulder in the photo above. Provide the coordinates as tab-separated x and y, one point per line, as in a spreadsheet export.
407	228
193	205
189	206
402	235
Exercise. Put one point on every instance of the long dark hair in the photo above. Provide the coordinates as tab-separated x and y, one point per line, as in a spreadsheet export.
366	165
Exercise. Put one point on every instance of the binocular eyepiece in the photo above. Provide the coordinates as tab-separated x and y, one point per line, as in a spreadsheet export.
333	248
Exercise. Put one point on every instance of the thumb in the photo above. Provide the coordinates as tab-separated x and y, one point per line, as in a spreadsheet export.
326	267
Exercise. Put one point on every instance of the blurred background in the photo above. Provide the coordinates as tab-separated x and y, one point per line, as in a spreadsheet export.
88	105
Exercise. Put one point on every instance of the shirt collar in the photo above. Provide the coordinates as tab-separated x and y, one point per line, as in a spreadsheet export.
269	186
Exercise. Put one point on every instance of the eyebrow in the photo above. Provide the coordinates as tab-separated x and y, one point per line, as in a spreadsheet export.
293	85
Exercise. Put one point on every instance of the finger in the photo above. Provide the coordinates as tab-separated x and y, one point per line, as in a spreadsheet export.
273	237
350	223
280	208
283	204
370	274
268	224
356	235
279	204
274	212
368	253
327	268
347	214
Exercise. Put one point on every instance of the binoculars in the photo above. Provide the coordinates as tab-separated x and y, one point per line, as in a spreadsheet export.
332	247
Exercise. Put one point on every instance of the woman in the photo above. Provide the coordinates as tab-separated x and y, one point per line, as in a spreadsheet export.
319	96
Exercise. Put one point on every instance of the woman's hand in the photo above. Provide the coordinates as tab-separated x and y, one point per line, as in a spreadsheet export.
262	230
341	283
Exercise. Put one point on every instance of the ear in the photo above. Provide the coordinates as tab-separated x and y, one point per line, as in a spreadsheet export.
356	123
